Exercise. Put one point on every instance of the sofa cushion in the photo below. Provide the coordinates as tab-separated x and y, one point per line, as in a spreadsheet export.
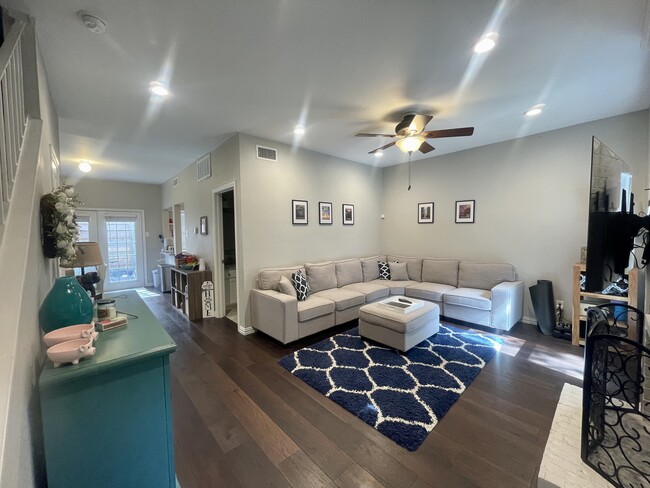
384	270
469	297
428	291
370	268
413	265
301	285
314	307
394	287
398	271
348	271
321	276
443	271
484	276
343	299
286	286
269	278
370	290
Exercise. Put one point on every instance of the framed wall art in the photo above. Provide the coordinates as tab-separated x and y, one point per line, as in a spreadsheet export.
325	213
425	213
465	211
299	212
204	225
348	214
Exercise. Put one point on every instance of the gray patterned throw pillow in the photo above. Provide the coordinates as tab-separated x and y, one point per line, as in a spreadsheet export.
300	284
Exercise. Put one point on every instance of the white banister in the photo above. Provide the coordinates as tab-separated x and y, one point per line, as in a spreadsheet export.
12	114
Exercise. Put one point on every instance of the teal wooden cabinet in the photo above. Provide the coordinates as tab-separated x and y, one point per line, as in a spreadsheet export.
107	421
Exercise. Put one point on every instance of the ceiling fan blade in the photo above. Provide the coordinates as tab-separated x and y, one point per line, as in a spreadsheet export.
425	147
460	131
365	134
382	147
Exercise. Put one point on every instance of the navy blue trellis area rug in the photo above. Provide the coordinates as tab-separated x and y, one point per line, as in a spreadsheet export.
402	395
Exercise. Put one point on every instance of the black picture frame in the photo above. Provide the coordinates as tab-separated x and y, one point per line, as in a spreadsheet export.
425	213
204	225
299	212
325	216
348	214
465	211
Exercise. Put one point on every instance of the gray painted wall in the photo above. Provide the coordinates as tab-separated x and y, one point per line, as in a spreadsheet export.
21	460
531	200
270	239
197	198
128	196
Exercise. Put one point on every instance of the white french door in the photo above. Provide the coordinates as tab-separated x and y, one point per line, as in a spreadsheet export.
119	234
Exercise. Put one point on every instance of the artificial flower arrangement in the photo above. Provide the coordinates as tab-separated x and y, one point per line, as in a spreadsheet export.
60	231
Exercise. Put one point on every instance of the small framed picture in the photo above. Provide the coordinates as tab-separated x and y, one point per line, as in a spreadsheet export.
465	211
325	213
348	214
299	212
425	213
204	225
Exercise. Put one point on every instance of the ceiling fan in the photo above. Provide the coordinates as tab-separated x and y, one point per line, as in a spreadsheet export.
411	134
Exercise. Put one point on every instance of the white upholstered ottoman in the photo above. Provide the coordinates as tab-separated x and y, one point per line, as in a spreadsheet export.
399	322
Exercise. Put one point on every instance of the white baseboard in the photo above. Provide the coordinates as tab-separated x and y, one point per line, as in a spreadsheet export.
529	320
245	330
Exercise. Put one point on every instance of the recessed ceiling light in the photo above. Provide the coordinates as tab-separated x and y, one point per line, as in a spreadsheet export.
85	167
486	43
535	110
299	130
379	153
159	89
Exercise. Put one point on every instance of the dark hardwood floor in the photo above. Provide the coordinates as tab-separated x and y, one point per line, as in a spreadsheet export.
240	420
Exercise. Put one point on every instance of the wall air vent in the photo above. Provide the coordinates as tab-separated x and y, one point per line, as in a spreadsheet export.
267	153
175	182
203	168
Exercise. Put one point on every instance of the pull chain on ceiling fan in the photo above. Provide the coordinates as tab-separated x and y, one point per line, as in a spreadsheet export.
412	136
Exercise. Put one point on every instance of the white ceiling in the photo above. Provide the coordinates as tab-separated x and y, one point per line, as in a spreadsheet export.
338	66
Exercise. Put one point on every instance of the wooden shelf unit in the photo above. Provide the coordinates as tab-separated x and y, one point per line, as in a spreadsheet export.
578	296
186	291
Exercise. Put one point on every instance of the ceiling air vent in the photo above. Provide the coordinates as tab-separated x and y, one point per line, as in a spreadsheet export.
203	168
267	153
175	182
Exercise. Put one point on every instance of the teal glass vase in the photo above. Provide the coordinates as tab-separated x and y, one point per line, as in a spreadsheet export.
67	303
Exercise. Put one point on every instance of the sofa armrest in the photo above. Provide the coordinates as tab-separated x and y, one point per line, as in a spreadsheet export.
507	304
275	314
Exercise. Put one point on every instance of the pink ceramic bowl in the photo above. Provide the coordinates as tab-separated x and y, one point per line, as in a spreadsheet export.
80	331
70	351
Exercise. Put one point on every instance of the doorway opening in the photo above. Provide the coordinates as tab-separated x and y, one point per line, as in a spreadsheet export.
225	258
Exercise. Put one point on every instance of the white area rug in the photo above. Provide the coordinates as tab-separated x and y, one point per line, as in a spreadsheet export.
562	466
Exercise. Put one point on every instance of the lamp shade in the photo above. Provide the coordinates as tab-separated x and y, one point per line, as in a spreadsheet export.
410	144
88	254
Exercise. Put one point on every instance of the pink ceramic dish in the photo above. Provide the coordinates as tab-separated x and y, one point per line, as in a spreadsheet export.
80	331
70	351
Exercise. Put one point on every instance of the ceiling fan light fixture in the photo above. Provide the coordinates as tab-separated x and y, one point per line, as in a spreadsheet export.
410	144
486	43
379	153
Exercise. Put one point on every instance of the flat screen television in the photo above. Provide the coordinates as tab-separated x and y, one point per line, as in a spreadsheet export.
610	237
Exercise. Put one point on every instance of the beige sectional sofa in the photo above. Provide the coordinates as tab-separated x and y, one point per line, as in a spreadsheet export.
484	294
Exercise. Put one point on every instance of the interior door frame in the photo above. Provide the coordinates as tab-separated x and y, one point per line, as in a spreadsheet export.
219	274
143	236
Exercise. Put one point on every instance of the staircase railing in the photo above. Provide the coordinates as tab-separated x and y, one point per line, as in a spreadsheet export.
13	119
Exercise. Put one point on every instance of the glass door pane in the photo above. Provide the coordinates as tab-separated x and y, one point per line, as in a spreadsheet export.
121	242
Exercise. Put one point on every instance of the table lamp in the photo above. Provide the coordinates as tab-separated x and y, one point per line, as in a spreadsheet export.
88	254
